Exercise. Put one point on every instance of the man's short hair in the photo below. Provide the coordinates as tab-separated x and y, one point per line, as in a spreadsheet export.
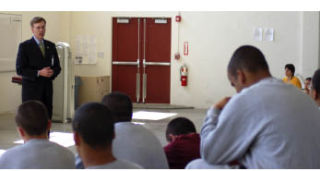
247	58
179	126
291	68
37	20
308	78
95	124
316	81
120	104
32	117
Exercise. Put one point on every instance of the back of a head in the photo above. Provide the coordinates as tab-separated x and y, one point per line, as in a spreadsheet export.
32	116
316	81
290	67
120	105
179	126
247	58
95	124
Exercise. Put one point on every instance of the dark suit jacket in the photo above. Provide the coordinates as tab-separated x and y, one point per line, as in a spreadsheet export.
30	60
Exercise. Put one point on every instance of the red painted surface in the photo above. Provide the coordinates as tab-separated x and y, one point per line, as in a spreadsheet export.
158	49
125	48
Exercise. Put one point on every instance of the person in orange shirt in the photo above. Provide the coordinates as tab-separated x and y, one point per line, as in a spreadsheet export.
290	78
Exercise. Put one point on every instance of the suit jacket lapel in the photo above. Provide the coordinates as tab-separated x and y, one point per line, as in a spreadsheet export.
47	48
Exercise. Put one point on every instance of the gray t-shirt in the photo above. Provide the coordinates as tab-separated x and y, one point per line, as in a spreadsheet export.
202	164
117	164
267	125
37	154
137	144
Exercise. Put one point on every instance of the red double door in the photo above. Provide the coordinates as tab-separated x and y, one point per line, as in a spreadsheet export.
141	50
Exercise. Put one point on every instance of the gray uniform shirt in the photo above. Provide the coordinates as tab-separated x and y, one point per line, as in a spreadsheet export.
117	164
37	154
137	144
268	125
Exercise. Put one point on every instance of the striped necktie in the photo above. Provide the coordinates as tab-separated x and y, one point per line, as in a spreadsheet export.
41	45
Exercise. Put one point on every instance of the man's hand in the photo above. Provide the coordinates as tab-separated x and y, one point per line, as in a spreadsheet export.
46	72
220	105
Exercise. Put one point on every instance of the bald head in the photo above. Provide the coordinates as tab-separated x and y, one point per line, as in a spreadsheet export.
247	66
247	58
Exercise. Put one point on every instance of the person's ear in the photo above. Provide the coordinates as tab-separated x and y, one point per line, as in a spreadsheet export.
76	138
241	77
172	137
49	125
21	132
315	95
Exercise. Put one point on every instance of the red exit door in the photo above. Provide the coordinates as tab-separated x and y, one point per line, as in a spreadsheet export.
141	50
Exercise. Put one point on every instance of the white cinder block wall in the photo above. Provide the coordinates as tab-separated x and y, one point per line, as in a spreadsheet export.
212	37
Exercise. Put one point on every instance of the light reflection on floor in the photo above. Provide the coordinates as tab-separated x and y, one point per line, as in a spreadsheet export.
144	115
62	138
139	123
2	151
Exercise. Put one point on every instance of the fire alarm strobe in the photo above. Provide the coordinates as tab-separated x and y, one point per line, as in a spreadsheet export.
178	18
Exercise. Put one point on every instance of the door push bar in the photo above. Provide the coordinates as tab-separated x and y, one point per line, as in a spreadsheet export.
126	63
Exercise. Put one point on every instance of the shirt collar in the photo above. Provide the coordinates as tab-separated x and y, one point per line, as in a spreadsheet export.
38	41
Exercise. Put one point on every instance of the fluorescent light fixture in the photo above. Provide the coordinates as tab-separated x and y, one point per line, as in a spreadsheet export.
61	138
144	115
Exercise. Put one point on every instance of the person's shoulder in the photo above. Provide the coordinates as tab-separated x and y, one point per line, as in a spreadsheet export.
296	79
26	42
128	125
131	127
128	165
48	42
135	131
58	147
12	152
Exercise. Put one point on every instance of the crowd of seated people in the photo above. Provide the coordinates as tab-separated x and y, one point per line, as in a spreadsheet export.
267	124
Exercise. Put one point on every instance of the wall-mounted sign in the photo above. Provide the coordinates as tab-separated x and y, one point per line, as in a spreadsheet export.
186	48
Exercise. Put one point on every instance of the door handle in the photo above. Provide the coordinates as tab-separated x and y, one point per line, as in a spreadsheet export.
158	63
126	63
144	86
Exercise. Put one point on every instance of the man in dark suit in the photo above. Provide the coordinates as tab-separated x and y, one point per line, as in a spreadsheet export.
38	64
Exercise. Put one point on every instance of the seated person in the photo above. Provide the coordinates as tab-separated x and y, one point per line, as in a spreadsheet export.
267	124
315	87
184	143
37	152
307	84
93	128
290	78
132	142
